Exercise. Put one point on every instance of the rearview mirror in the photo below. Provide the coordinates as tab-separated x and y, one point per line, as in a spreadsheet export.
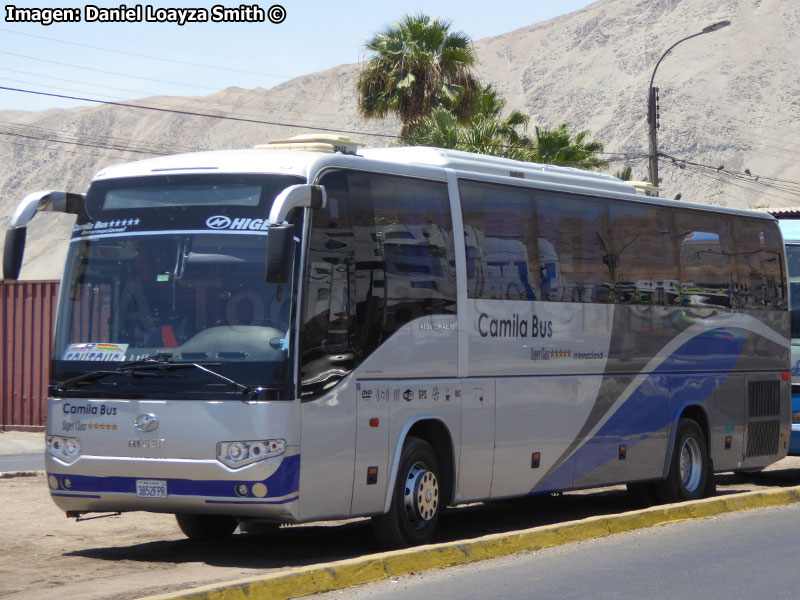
44	200
12	252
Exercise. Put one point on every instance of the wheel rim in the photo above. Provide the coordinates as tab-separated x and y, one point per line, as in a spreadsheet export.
691	465
421	495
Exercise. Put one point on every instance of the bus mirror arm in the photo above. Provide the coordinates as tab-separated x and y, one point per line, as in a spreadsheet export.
45	200
296	196
280	251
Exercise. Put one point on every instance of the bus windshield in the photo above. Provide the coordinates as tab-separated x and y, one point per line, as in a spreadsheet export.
139	309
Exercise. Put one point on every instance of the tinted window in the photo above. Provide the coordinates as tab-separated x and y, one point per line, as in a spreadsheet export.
575	254
524	244
758	265
645	265
380	255
704	250
500	237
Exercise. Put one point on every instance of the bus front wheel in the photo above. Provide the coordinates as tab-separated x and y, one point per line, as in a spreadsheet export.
413	516
690	467
206	528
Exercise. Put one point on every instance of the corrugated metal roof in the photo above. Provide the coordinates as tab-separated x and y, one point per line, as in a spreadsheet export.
784	213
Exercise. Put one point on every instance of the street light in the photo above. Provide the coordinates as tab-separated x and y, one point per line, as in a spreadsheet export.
651	102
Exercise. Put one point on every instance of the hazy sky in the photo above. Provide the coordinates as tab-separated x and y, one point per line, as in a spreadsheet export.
107	61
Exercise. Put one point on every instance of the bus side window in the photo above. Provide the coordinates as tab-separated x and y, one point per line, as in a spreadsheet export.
500	242
575	253
404	255
645	266
704	258
758	266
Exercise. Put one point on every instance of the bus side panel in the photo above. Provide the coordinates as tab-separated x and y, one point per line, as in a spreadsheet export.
413	401
626	436
543	417
632	443
477	440
372	447
387	412
726	416
328	427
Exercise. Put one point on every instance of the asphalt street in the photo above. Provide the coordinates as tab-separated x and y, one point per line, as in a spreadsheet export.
750	554
21	451
29	461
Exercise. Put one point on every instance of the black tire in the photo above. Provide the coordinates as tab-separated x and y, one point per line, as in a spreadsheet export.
206	528
690	476
642	494
413	516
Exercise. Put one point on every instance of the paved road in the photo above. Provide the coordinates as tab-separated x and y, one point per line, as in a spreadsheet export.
28	461
21	451
752	554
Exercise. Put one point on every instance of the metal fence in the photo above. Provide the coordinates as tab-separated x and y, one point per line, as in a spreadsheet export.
27	320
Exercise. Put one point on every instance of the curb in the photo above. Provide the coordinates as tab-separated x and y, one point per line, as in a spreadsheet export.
12	474
331	576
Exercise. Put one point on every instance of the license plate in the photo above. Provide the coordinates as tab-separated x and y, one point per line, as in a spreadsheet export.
151	488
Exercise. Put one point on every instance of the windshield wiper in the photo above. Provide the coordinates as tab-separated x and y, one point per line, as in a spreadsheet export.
146	368
155	365
71	383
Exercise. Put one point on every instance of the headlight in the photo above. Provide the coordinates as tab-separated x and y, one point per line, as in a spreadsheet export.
796	417
63	448
239	454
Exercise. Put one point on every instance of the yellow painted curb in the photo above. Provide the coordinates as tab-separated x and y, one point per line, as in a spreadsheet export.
303	581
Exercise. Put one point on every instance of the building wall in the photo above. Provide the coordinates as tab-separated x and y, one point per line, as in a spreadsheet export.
27	321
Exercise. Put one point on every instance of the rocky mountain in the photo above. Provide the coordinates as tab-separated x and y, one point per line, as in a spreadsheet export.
729	108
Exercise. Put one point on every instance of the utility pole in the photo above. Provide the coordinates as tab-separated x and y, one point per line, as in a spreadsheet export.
652	110
652	120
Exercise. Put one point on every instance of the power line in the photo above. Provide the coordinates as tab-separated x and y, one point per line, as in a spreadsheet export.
209	103
272	94
195	114
621	156
742	182
159	58
54	62
625	156
64	135
87	144
61	150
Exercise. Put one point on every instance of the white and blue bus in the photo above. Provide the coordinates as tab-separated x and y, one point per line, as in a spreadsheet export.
789	221
281	336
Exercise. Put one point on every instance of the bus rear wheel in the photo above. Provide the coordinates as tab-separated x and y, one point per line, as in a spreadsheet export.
206	528
690	467
413	516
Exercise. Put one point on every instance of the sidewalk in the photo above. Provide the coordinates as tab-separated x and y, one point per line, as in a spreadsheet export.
21	442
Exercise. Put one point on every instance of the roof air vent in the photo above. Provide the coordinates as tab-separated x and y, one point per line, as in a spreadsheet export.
313	143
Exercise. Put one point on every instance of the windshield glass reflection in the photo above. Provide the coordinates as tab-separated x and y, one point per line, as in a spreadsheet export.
184	298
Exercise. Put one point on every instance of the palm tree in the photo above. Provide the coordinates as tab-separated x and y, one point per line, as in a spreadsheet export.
560	146
486	133
489	133
417	65
625	174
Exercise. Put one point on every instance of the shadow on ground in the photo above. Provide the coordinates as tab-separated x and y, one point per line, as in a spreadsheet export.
299	545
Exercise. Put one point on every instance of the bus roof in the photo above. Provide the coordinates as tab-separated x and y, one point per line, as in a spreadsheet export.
424	159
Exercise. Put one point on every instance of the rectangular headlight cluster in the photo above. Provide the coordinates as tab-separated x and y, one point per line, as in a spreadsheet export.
64	448
796	417
239	454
